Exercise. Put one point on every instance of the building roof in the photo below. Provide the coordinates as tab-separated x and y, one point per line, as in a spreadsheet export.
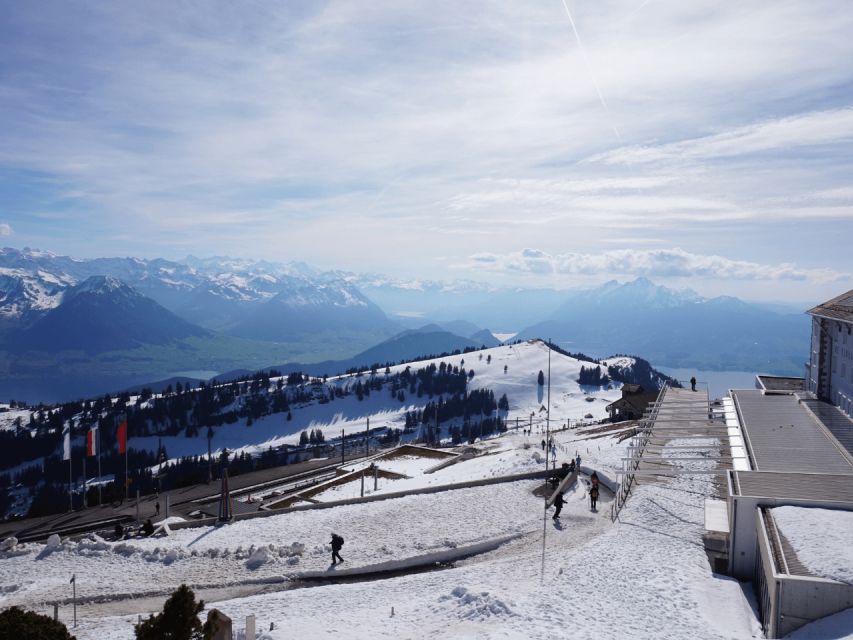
781	383
782	434
833	419
814	487
630	388
636	401
839	308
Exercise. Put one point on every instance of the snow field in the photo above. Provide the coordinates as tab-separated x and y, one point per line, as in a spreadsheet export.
821	538
523	361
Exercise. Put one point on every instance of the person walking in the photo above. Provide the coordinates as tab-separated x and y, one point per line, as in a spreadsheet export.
558	503
593	496
578	462
337	543
543	444
594	479
693	383
157	507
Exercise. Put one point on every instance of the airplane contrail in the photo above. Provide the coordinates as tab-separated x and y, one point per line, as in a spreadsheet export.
589	72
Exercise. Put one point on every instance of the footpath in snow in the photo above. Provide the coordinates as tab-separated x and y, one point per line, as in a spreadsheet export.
645	576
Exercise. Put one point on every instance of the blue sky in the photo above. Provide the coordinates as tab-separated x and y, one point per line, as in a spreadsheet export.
702	144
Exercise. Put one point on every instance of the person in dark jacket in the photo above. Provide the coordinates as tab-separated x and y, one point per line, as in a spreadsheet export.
593	496
558	502
693	383
337	543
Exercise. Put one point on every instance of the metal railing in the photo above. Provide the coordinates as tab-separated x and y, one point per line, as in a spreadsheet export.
636	447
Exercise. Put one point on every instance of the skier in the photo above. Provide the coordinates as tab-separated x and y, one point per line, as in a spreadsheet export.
593	496
558	502
337	543
693	383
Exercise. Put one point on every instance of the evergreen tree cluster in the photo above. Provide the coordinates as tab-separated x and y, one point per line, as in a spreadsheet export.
197	411
593	377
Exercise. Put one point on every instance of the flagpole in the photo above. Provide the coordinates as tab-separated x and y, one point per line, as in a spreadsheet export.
98	444
70	486
74	583
126	485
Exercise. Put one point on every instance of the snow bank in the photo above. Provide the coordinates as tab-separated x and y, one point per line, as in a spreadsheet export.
829	553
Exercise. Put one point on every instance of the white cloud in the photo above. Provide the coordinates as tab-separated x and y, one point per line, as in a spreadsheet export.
833	127
661	263
5	229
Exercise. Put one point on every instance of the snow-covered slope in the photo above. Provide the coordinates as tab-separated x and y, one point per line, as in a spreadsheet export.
644	576
527	401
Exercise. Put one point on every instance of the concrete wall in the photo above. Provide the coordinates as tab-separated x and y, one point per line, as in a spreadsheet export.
837	363
742	519
841	370
794	601
804	599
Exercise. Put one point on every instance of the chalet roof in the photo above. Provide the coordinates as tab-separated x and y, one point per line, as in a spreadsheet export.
637	401
632	388
839	308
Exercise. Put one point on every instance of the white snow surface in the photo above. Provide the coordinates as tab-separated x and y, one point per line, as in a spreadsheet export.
829	554
645	576
526	398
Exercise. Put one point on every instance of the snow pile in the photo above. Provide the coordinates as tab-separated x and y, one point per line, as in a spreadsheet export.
827	554
468	605
836	627
260	557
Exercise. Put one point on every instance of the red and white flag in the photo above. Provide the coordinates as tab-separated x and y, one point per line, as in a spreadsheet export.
121	436
92	442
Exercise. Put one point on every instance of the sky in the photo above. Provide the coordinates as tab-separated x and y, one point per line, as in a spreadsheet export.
552	143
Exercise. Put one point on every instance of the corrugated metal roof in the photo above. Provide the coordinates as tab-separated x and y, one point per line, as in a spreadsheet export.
819	487
783	436
833	419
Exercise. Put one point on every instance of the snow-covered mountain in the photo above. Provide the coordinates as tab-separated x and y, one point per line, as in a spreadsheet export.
305	307
676	328
215	293
102	314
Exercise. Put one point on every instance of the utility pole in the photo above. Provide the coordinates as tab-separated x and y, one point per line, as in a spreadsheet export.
209	458
547	453
548	410
98	444
343	446
367	440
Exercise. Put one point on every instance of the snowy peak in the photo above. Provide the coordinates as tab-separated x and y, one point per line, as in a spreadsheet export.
641	291
100	285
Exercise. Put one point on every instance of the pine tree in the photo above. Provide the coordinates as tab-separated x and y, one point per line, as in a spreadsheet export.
542	378
28	625
179	620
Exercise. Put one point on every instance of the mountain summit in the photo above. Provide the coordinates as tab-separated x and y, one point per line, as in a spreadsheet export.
104	314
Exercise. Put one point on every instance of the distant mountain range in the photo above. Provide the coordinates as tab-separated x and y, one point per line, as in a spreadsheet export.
71	327
677	328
